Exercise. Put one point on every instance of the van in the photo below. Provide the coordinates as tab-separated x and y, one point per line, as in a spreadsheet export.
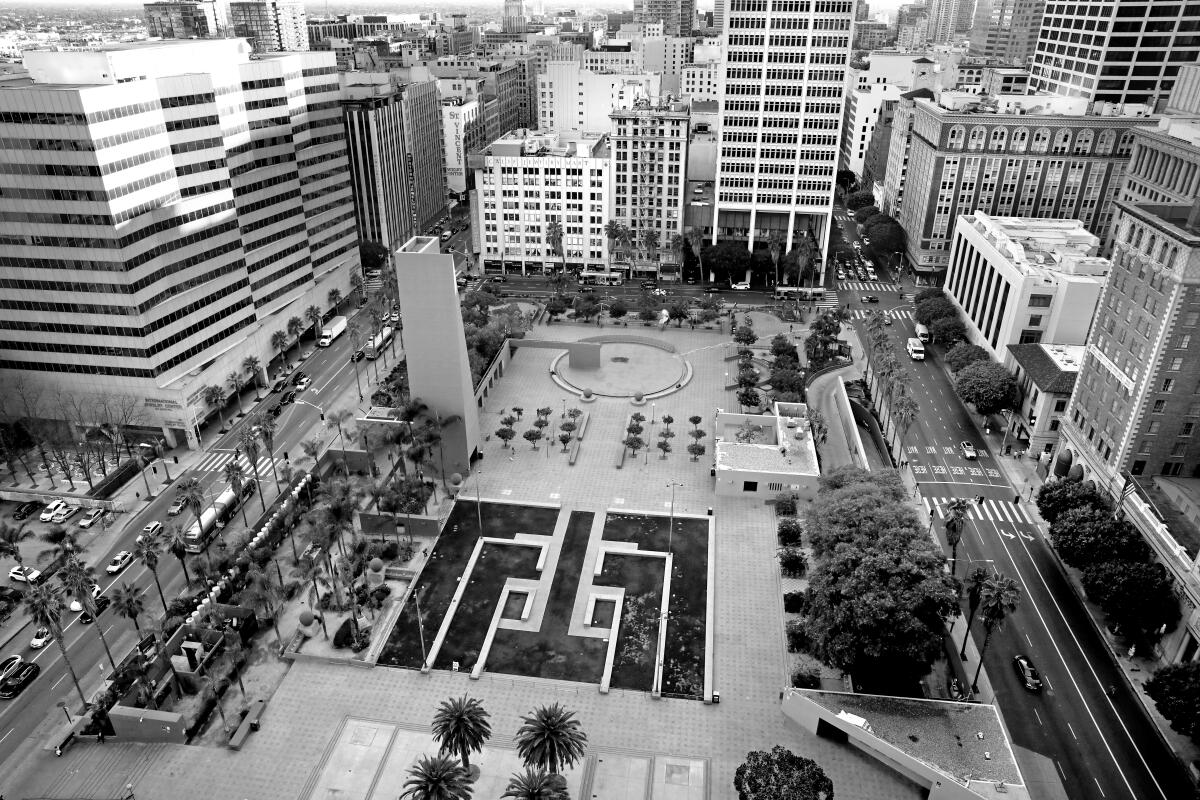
446	235
922	332
916	350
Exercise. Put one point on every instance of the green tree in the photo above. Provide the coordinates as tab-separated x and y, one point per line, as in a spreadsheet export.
554	238
679	312
861	199
744	334
775	247
695	240
265	426
252	366
964	354
335	299
617	309
727	259
372	255
214	397
79	579
436	778
130	604
556	307
1085	535
927	311
45	606
612	232
887	235
781	775
634	443
976	578
551	738
176	543
846	179
461	727
948	330
536	784
986	385
1056	497
749	398
927	294
956	520
313	315
147	552
11	537
234	381
1175	690
998	599
865	213
506	435
1137	597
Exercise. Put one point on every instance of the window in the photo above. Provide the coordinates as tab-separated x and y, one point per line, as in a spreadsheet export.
1144	447
1172	469
1040	300
1187	428
1153	427
1030	337
1060	406
749	486
1138	468
1176	364
1054	424
1160	406
1168	384
1035	319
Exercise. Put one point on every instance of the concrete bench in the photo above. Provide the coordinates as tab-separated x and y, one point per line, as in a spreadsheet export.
249	723
583	421
574	453
621	458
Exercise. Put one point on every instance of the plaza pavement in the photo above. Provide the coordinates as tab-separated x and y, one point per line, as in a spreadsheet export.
288	758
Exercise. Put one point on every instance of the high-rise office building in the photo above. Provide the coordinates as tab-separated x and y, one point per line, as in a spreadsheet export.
1122	53
514	19
393	137
189	19
782	98
163	220
1006	31
574	99
943	19
676	16
270	26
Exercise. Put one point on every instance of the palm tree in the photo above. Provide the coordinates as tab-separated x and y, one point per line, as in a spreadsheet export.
129	603
279	342
356	283
261	593
191	491
461	726
334	419
312	572
265	425
650	243
554	238
956	518
536	784
335	299
676	243
64	543
354	331
313	315
174	541
215	396
253	366
551	738
147	551
998	598
903	414
696	241
249	443
45	605
78	579
775	245
234	381
11	537
235	473
295	326
612	231
437	778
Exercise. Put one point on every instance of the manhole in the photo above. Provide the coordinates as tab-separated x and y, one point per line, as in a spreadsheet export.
620	359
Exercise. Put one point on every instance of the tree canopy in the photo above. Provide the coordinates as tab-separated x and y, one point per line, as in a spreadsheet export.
860	199
948	330
1087	535
927	311
1175	689
865	213
727	258
887	235
781	775
928	294
986	385
965	353
1056	497
1137	597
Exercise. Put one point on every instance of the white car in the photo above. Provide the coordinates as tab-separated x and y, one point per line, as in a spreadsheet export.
658	292
40	637
64	513
19	575
150	531
304	383
49	511
77	606
968	451
91	517
119	562
740	287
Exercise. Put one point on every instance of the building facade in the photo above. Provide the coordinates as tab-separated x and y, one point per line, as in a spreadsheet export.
571	98
526	180
1045	376
863	107
782	99
1024	281
192	19
160	230
1126	53
270	25
1006	31
649	146
463	131
676	16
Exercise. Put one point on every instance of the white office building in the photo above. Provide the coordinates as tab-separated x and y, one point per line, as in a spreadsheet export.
1024	281
573	98
167	208
526	180
863	106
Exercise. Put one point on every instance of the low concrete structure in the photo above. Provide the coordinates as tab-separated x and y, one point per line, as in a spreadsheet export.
766	453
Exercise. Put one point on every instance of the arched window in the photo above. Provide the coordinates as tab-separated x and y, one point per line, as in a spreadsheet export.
1106	142
998	140
1041	140
978	137
1083	142
1137	238
1062	141
1162	253
1126	145
958	135
1169	263
1020	140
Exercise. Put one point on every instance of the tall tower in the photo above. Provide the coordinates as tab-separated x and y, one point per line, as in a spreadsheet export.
514	16
676	16
782	89
1006	30
270	25
1109	53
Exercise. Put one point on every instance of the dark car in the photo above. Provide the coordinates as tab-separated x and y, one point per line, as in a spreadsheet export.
714	288
870	298
587	289
298	378
275	410
15	684
356	356
25	509
102	603
279	385
649	284
290	397
1027	674
498	278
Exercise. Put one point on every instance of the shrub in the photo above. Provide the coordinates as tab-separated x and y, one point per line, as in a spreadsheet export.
785	504
806	679
792	561
790	531
795	602
343	637
798	640
389	551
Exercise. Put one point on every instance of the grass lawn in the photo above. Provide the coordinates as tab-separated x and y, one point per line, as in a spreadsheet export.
439	578
551	652
683	667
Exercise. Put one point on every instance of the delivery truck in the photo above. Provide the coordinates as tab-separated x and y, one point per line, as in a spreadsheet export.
331	331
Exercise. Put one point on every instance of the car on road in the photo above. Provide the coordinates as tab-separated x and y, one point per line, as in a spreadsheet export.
20	574
304	384
299	376
744	286
968	450
25	510
8	666
841	274
279	385
499	279
92	517
64	513
151	530
102	603
49	511
1027	673
658	292
857	247
290	397
40	637
649	284
461	280
119	562
14	684
713	288
77	606
870	298
179	504
357	356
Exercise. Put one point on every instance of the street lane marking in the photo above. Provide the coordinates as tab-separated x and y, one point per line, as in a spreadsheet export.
62	678
1072	730
1039	716
1098	786
5	736
1060	769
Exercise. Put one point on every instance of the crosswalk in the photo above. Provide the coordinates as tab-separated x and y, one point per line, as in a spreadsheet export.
990	511
867	286
215	462
829	301
894	313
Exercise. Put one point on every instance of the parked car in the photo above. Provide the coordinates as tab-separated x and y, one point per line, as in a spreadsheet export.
179	504
65	513
499	278
151	530
102	603
299	376
23	676
40	638
870	298
119	562
50	510
713	288
968	451
8	666
1027	673
275	410
356	356
744	286
77	606
93	516
649	284
25	510
290	397
841	275
279	385
304	384
20	574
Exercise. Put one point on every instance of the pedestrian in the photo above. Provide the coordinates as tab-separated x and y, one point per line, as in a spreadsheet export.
1112	692
58	751
99	737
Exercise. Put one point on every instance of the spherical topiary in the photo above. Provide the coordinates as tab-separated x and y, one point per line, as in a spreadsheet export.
376	564
587	393
638	396
456	479
306	617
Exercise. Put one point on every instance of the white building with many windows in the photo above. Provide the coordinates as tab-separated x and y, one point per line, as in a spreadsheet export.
526	180
167	208
576	99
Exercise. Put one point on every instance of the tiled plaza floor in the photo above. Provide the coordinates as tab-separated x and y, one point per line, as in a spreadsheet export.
305	716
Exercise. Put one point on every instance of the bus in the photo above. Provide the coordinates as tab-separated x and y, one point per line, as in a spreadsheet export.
799	292
587	278
380	341
201	532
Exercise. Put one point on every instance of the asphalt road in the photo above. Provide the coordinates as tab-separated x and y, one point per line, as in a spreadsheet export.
1102	747
333	387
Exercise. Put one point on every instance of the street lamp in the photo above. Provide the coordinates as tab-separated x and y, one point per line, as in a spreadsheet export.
478	506
671	525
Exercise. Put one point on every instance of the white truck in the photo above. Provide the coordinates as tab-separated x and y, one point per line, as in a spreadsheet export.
916	349
331	331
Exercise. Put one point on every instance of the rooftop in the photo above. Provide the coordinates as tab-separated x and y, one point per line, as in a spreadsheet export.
964	740
529	143
1061	246
1033	104
1052	367
1182	219
781	443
